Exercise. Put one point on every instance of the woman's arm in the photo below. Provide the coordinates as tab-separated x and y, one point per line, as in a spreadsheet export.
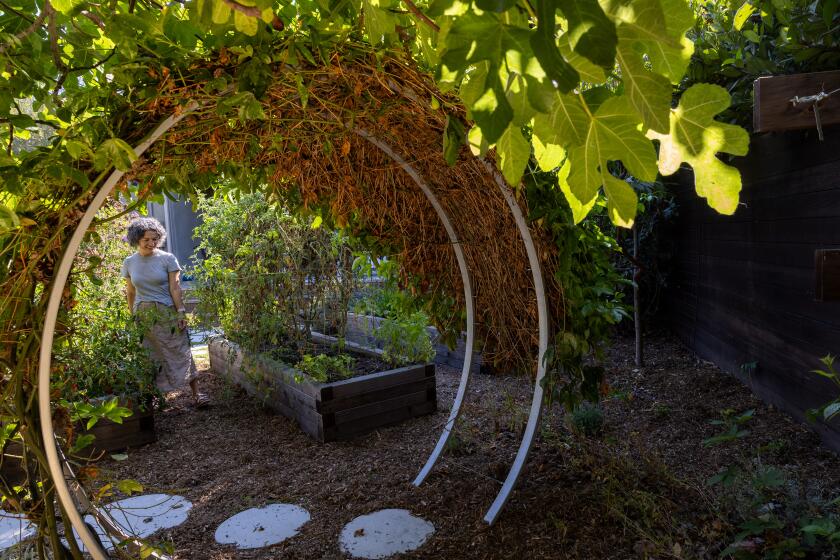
130	293
175	292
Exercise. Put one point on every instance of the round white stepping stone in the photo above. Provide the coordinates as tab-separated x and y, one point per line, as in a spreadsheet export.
265	526
14	528
384	533
142	515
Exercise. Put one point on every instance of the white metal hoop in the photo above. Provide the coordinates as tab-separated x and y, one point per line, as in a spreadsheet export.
542	318
463	384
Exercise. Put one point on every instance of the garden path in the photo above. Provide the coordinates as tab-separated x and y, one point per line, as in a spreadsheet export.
636	490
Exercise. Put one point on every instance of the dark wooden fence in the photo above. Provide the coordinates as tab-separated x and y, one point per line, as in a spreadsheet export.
743	286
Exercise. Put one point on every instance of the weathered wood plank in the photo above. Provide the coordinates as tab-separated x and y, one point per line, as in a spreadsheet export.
377	381
378	408
827	273
136	430
335	405
774	111
363	425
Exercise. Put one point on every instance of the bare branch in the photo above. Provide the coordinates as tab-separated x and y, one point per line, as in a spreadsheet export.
94	18
412	7
53	31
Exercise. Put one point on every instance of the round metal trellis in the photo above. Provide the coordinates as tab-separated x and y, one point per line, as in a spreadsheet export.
468	298
542	310
60	471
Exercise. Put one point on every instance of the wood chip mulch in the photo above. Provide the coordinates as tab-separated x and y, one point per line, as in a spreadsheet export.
637	491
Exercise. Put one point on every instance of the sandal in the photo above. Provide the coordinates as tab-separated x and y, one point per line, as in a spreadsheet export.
202	400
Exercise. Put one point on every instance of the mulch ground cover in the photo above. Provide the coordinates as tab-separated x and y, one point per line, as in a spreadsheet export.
638	490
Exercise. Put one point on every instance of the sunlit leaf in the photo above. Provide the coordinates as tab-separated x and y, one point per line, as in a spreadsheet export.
696	138
129	486
513	151
114	152
590	33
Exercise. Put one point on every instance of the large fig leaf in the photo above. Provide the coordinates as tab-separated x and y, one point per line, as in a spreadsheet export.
696	138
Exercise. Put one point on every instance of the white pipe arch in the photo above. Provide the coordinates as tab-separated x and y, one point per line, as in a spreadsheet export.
57	468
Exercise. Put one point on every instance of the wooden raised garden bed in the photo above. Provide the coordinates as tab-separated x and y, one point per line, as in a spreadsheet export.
136	430
329	411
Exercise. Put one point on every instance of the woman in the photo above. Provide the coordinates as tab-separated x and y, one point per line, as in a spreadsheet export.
153	287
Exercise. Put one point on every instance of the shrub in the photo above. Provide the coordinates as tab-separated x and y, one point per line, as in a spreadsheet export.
587	419
405	340
103	354
268	277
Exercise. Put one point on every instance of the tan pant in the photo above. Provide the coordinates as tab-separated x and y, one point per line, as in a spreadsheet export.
168	345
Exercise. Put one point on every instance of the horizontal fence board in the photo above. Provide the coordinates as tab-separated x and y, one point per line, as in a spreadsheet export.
377	381
388	418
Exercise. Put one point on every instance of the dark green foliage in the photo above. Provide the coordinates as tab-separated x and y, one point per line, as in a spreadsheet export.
270	278
735	43
590	283
587	419
774	516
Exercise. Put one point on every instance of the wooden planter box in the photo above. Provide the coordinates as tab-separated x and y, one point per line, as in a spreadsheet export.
329	411
136	430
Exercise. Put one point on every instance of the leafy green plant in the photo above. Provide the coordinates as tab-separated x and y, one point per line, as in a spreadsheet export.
733	424
270	278
773	519
593	299
830	409
405	340
587	419
323	368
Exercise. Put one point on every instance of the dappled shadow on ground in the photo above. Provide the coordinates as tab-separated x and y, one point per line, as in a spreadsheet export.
636	491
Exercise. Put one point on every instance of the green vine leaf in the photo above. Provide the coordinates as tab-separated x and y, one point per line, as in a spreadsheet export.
114	152
245	23
565	125
649	92
548	156
644	28
545	48
696	138
514	152
580	209
613	135
453	139
591	33
380	24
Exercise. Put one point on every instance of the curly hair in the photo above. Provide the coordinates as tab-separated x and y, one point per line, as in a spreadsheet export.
138	228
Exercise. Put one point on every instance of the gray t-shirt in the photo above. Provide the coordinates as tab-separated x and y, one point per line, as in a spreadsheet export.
150	276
